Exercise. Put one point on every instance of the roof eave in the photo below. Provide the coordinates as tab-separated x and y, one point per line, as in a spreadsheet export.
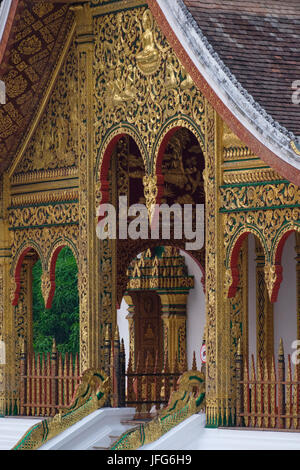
251	123
8	14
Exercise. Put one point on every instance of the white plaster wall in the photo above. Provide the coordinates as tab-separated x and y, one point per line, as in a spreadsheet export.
195	312
195	315
123	327
285	309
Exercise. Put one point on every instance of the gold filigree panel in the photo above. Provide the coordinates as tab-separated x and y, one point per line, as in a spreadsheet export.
138	79
40	215
259	196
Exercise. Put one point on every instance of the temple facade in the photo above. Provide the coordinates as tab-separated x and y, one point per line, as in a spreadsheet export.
174	103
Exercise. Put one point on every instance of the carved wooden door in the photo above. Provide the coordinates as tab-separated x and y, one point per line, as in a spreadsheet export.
148	328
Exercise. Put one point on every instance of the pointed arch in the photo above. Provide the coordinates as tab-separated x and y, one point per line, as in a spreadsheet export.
167	132
105	153
232	269
49	289
276	265
24	249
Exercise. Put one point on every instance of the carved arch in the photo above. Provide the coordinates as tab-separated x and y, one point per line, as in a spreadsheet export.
48	276
105	153
275	267
17	265
159	148
233	250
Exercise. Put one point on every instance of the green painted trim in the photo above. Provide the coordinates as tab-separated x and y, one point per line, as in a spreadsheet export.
118	10
43	226
44	190
242	159
42	181
256	209
258	183
95	5
43	204
161	277
246	169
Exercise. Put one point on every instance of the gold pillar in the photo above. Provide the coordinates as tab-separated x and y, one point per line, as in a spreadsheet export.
88	278
244	280
219	395
174	327
264	311
8	381
28	264
238	315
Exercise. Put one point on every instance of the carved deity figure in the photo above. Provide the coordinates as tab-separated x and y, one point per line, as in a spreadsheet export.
170	77
148	59
119	92
187	82
130	91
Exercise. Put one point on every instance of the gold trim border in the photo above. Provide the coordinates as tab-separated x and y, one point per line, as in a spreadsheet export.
116	6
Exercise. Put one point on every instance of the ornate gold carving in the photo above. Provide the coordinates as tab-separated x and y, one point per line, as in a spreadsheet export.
259	196
30	45
250	175
295	147
44	198
211	259
251	209
148	59
270	277
50	148
187	82
265	280
233	148
150	191
37	216
15	84
56	174
155	100
45	286
228	279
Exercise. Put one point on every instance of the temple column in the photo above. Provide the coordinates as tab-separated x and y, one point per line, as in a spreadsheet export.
28	264
88	268
264	311
174	328
8	336
219	395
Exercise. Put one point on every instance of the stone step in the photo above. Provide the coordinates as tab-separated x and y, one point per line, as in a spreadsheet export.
136	422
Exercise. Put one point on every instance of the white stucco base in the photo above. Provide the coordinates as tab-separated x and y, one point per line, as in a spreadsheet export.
96	430
12	429
192	435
